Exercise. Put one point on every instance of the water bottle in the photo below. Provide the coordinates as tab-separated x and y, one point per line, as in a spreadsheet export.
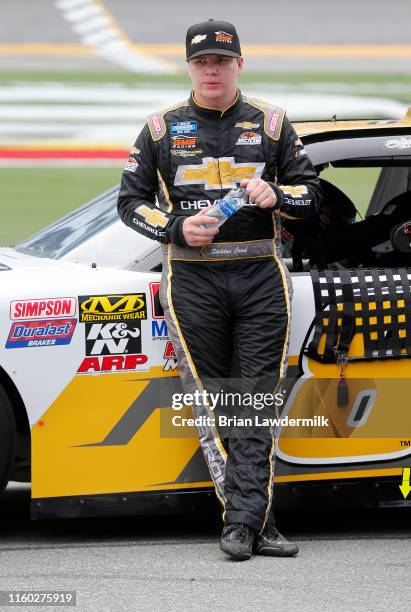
227	206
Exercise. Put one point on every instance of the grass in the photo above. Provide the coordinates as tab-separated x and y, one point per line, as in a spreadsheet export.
252	77
31	198
399	84
357	183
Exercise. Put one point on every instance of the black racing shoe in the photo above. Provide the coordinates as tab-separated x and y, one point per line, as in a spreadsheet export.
237	541
272	544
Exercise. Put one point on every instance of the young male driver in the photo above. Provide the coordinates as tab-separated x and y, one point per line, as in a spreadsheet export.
224	288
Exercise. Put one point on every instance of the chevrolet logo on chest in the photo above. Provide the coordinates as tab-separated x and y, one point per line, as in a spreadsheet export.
217	173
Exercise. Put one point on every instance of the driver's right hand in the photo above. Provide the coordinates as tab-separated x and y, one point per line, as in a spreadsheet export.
194	234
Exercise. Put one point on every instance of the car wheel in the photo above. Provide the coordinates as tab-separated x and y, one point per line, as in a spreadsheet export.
7	438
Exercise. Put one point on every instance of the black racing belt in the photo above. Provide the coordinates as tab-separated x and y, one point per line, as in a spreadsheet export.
251	249
375	303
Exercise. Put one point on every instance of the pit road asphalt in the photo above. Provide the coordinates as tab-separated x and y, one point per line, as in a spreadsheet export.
349	560
161	22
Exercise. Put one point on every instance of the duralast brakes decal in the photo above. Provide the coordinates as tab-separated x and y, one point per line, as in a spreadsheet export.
95	308
43	332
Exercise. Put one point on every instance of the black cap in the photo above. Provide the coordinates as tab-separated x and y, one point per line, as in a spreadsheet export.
211	36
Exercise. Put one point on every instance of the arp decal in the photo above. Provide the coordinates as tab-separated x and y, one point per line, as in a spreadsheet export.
113	363
95	308
43	307
45	332
113	338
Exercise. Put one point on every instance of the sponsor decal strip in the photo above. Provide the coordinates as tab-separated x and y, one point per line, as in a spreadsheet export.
113	339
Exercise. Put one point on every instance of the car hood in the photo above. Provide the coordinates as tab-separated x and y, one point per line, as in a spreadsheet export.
10	259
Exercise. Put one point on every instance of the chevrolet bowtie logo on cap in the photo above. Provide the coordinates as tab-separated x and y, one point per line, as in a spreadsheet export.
219	37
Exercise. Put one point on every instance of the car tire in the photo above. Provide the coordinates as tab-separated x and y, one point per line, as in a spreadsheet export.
7	438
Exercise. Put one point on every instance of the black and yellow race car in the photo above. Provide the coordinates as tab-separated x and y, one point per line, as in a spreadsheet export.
88	373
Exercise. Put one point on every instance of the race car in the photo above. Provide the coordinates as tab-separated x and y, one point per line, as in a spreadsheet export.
88	373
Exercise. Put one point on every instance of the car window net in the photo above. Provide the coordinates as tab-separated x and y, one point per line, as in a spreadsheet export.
375	303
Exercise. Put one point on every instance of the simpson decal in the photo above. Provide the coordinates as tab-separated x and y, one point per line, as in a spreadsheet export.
43	307
273	122
156	123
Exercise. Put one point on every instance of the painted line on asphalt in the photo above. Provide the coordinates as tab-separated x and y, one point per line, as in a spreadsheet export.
256	50
263	50
68	49
97	28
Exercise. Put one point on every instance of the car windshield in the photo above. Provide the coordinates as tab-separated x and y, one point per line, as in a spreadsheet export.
74	229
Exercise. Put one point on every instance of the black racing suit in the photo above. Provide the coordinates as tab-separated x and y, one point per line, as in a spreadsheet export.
229	301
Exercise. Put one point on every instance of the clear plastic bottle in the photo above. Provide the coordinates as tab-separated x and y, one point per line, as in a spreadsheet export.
227	206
